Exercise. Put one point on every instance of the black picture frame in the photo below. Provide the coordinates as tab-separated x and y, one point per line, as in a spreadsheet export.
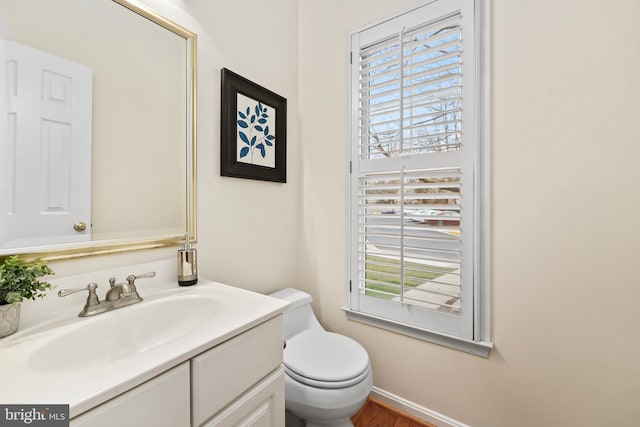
249	146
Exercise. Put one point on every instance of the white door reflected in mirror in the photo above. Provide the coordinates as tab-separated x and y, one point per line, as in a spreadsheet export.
48	123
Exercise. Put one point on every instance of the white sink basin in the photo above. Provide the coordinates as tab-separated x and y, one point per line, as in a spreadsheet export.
125	333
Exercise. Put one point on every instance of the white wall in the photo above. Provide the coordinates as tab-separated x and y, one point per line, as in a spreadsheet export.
566	203
247	229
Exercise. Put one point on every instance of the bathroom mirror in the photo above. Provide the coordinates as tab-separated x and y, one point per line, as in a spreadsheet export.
98	147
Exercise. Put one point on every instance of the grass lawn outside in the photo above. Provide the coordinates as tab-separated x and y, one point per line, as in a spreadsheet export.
383	275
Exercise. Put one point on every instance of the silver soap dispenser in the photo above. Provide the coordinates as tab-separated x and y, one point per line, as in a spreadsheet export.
187	264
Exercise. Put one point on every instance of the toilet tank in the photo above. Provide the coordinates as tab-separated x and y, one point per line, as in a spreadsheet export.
299	315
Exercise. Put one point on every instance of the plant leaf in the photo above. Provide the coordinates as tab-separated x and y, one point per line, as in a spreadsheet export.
244	152
261	147
271	137
242	115
268	143
258	110
243	124
253	118
259	128
243	137
19	280
248	111
253	140
266	131
262	121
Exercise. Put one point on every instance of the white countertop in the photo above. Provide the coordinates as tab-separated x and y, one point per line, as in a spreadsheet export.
24	382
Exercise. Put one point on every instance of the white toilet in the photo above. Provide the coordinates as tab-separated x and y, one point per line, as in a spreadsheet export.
327	375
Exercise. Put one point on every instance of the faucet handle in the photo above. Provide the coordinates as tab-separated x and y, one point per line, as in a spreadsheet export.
132	277
92	299
131	288
91	287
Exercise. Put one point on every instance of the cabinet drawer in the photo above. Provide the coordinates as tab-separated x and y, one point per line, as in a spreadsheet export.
220	375
162	401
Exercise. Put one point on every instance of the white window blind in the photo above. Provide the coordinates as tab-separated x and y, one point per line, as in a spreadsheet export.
410	91
415	170
409	238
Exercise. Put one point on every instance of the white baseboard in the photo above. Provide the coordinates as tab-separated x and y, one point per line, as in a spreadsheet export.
414	409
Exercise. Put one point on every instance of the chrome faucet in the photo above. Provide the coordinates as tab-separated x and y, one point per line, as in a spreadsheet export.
119	295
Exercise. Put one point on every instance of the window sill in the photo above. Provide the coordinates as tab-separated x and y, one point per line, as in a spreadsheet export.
481	349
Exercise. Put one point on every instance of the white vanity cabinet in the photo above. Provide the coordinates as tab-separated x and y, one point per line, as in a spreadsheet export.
239	382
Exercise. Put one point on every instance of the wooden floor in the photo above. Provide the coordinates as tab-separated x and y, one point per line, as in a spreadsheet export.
375	413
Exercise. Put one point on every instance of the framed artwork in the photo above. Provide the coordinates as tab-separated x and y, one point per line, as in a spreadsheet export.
253	127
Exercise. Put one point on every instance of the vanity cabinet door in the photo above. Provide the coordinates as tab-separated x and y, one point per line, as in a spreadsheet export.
161	401
262	406
222	374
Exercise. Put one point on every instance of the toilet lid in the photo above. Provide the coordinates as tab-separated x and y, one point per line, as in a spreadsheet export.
322	357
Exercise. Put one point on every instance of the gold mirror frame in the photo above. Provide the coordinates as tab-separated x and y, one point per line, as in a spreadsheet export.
136	244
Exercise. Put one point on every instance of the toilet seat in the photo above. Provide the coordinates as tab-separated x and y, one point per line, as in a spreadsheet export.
325	360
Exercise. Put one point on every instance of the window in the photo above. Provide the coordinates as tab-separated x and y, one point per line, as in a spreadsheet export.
418	216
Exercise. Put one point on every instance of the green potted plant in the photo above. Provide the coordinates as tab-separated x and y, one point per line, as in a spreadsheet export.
19	281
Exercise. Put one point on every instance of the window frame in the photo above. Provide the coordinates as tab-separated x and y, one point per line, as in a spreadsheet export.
479	343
